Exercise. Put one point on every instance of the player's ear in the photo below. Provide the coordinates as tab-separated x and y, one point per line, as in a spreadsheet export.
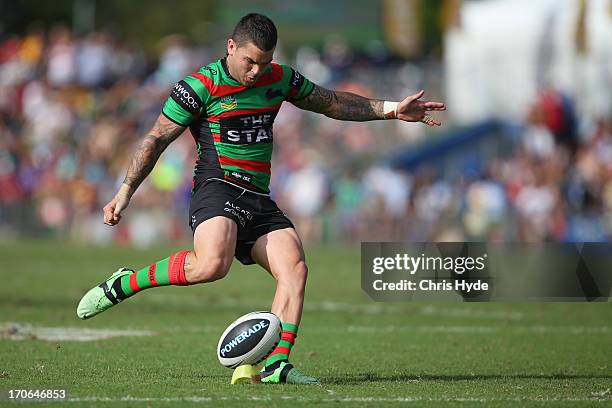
231	46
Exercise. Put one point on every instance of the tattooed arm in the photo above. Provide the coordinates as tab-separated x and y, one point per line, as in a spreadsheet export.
349	106
341	105
153	144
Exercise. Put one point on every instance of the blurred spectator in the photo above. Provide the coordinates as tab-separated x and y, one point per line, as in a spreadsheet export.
306	190
94	59
72	111
61	57
175	61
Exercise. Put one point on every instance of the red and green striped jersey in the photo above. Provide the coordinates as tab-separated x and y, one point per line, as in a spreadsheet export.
231	123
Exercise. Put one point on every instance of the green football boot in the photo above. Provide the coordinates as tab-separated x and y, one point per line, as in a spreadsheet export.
286	373
103	296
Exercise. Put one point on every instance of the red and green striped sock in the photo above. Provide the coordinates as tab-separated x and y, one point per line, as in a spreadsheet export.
169	271
282	350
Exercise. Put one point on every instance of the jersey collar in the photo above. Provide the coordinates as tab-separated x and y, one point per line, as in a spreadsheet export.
226	70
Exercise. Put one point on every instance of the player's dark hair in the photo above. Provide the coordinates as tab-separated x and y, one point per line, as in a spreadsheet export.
256	28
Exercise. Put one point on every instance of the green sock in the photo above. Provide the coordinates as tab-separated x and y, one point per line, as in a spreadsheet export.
282	350
169	271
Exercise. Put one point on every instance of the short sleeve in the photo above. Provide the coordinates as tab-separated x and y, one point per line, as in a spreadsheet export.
299	86
186	101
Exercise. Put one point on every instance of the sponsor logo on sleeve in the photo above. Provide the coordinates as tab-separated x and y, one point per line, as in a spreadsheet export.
185	96
297	79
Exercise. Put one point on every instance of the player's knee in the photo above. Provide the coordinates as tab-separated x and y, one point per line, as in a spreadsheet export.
211	269
301	271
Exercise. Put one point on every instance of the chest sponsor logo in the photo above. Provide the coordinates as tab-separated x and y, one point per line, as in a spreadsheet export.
247	129
228	102
185	96
247	136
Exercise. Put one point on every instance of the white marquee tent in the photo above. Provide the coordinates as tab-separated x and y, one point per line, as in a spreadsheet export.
504	51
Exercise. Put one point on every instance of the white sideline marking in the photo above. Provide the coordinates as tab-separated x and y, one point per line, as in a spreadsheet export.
471	313
414	328
482	329
365	308
328	306
336	399
21	331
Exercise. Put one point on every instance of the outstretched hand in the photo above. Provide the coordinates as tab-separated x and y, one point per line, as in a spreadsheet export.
412	109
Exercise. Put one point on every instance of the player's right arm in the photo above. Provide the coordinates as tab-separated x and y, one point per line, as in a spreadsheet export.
182	107
153	144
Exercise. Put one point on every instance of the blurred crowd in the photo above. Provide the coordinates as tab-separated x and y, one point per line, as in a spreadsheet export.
554	183
72	111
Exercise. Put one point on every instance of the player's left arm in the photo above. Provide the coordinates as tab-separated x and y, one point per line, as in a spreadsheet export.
349	106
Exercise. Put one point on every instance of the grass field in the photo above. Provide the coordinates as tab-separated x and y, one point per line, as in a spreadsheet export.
366	353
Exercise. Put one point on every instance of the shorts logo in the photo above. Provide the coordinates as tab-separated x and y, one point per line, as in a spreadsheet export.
228	102
185	96
239	213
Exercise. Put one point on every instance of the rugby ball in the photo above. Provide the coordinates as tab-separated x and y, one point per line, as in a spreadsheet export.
249	339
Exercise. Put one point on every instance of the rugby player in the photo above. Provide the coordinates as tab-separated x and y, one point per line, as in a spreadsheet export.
229	106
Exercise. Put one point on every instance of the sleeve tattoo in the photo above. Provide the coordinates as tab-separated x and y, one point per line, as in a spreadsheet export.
342	105
153	144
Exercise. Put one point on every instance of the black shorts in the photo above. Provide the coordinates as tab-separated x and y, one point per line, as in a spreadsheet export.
255	214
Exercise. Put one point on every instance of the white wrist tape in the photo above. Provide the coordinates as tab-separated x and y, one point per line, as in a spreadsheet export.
390	109
125	190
